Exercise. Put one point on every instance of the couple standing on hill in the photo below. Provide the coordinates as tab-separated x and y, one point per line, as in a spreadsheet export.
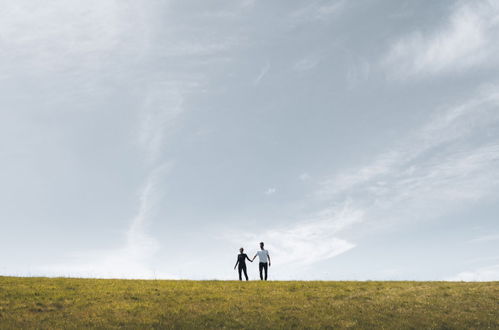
263	256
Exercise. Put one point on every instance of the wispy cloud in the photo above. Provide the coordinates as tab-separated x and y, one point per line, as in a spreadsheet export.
317	11
484	274
263	72
309	241
485	238
157	117
161	108
428	173
466	40
438	150
133	259
270	191
306	63
67	34
304	176
138	42
431	171
139	244
204	48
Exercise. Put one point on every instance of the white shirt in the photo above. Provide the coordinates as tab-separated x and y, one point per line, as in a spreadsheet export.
263	255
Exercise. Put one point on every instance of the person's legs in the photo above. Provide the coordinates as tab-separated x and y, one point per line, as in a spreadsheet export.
266	268
260	268
245	272
240	270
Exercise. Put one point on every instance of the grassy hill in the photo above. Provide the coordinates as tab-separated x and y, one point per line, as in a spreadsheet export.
76	303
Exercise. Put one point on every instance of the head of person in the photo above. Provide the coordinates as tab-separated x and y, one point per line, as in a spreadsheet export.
241	250
261	245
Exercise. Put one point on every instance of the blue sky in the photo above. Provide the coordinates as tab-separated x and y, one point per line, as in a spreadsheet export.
152	139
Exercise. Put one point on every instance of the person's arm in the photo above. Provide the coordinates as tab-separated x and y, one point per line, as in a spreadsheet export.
249	258
268	255
253	258
236	263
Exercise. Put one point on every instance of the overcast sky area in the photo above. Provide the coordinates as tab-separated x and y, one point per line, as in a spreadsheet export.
151	139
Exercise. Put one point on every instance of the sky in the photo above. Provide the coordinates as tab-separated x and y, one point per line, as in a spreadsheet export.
152	139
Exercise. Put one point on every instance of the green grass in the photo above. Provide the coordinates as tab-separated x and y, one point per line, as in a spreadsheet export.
76	303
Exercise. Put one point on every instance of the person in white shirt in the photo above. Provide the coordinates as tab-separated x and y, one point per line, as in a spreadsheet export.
264	257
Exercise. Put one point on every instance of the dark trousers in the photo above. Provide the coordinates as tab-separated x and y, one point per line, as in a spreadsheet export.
263	266
242	268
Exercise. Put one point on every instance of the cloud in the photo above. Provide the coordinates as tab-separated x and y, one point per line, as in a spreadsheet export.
158	116
263	72
270	191
134	259
462	176
485	238
306	63
484	274
304	176
161	108
317	11
112	47
466	40
67	34
205	48
139	244
248	3
446	164
308	241
429	172
439	150
95	36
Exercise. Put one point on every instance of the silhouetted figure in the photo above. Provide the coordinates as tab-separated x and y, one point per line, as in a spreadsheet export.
241	261
264	257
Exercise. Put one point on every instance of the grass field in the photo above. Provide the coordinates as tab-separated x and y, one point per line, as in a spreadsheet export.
76	303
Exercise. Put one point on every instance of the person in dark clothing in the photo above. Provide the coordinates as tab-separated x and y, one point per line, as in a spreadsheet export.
241	261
